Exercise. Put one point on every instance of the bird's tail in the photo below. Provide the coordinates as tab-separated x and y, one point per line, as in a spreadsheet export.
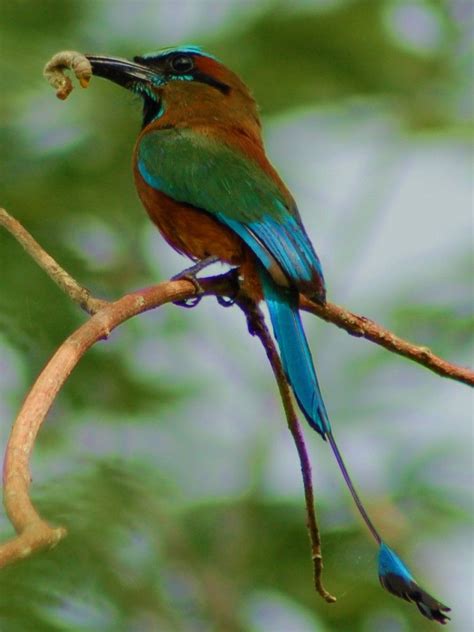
295	354
299	369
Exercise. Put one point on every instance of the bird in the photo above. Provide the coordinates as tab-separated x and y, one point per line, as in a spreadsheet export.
203	176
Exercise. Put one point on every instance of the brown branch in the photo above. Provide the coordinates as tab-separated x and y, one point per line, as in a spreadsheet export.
56	273
34	534
354	324
257	327
363	327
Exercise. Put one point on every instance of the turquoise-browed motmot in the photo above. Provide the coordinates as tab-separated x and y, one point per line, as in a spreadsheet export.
203	176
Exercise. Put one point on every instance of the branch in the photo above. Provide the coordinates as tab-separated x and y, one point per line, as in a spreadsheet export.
354	324
34	534
257	327
363	327
56	273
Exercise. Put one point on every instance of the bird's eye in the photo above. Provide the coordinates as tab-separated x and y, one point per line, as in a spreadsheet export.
182	63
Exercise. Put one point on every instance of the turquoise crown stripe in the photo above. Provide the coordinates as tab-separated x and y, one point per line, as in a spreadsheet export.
192	49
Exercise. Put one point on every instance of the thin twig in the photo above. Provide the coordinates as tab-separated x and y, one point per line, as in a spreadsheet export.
354	324
56	273
257	327
363	327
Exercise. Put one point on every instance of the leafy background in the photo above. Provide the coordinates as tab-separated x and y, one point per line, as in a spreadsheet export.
166	454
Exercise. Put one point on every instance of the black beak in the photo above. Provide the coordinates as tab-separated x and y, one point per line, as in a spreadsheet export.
121	71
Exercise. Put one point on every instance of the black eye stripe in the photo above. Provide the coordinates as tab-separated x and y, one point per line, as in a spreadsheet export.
181	64
215	83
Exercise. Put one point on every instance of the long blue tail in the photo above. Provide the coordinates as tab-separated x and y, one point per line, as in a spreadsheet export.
295	354
299	369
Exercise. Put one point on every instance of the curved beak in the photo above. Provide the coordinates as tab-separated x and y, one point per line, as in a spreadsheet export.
121	71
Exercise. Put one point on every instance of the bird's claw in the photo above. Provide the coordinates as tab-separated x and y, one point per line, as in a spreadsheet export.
225	301
188	303
228	301
192	301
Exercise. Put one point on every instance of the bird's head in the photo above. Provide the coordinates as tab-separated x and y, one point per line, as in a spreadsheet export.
183	83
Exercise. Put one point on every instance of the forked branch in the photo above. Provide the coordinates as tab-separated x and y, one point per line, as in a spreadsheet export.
34	533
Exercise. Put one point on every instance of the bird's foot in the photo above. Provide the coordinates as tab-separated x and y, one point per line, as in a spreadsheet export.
228	301
189	274
192	301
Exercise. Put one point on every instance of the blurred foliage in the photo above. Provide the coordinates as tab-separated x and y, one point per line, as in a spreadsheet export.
336	54
162	564
140	555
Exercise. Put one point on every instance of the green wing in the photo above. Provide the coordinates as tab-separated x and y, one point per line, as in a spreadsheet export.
195	169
